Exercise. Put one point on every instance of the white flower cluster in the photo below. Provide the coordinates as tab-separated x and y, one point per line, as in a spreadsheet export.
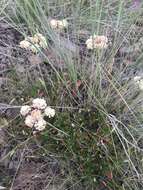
139	81
97	42
58	24
34	114
34	43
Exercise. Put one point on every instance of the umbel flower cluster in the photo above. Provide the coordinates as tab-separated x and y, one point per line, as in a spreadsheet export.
97	42
34	43
34	114
58	24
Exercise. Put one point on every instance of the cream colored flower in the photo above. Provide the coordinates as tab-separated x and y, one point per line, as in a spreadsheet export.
62	24
25	110
49	112
39	103
99	42
34	43
40	125
24	44
29	121
40	39
36	115
65	23
58	24
54	23
37	37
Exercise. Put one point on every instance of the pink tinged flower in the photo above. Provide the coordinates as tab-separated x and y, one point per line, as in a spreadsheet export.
99	42
39	103
25	110
29	121
49	112
40	125
36	115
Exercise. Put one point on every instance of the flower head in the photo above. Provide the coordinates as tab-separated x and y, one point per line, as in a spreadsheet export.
25	110
39	103
99	42
40	125
37	37
24	44
35	119
62	24
34	43
53	23
36	115
58	24
40	39
29	121
49	112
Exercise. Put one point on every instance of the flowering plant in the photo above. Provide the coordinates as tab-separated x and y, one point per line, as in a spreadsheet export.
95	41
34	114
34	43
58	24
